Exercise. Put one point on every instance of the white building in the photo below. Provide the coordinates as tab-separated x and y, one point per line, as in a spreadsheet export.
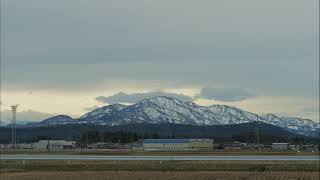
178	144
280	146
17	146
54	144
24	146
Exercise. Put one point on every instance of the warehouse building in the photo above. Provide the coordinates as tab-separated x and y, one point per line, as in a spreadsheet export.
280	146
54	144
178	144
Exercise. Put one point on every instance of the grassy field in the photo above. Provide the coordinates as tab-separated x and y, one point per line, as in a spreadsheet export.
156	175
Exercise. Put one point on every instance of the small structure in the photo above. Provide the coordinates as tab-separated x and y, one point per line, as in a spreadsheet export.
294	147
310	147
54	144
24	146
102	145
109	145
235	146
178	144
280	146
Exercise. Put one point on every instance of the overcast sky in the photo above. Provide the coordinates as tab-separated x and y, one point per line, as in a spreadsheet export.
59	57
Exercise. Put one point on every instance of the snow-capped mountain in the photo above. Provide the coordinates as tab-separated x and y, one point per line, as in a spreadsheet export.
298	125
161	110
96	114
169	110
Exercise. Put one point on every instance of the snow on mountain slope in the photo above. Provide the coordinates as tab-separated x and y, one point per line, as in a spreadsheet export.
97	113
169	110
162	110
293	123
232	115
300	122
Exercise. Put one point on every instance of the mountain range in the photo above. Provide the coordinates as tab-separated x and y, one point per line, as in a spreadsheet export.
161	110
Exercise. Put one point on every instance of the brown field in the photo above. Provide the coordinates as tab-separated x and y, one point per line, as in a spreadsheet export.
159	170
157	175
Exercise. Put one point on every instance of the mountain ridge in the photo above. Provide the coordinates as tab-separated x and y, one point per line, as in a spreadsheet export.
246	132
163	109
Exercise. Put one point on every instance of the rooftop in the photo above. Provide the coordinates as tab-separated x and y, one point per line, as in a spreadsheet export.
280	143
173	140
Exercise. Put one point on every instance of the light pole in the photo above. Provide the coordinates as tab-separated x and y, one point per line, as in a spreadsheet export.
13	133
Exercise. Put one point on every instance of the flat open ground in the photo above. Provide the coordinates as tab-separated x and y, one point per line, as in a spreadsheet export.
152	153
156	158
158	170
88	165
156	175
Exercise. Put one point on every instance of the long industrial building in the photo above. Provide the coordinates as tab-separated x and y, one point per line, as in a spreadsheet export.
54	144
178	144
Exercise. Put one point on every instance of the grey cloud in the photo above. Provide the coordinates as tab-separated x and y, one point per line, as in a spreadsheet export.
80	44
224	94
136	97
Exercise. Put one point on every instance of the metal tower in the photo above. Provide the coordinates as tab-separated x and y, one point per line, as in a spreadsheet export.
258	133
13	135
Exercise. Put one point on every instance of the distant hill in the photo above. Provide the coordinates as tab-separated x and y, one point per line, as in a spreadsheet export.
246	132
162	110
60	119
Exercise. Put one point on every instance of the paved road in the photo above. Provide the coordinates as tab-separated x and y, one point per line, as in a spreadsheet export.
160	158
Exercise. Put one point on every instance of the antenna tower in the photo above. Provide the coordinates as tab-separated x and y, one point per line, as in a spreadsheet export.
13	133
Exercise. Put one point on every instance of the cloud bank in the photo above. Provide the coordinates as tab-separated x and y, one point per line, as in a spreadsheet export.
136	97
211	93
224	94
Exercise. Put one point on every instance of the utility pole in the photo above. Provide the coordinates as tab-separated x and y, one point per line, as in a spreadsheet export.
13	133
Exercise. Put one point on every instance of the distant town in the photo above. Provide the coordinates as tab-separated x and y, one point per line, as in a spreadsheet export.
196	145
